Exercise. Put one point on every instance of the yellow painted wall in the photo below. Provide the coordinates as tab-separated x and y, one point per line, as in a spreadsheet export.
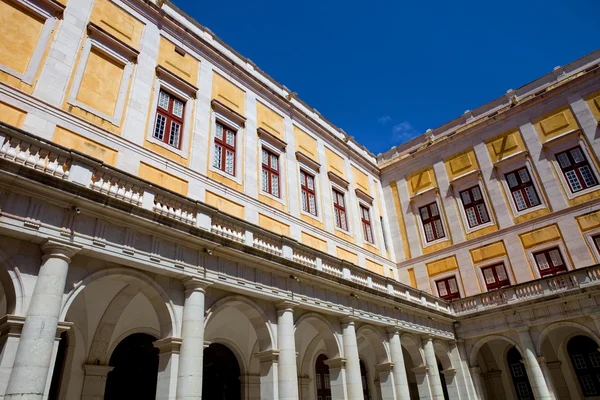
11	115
400	216
225	205
461	163
225	181
487	252
101	82
313	221
347	255
163	179
227	93
344	236
117	22
421	180
185	67
584	198
441	266
593	102
272	202
481	232
335	163
540	236
555	123
76	142
412	279
438	246
20	31
361	180
504	145
530	215
374	267
314	242
269	120
273	225
305	144
589	221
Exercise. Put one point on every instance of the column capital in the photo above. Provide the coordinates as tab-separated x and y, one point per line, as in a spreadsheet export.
348	320
520	329
268	356
475	370
450	372
428	337
421	370
384	367
168	345
392	330
54	248
286	305
195	284
97	370
338	362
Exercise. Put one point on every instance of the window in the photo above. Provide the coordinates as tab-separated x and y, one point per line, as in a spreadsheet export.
495	276
550	262
576	169
596	240
448	288
270	173
585	359
307	195
522	189
366	224
432	223
224	156
474	207
169	119
339	210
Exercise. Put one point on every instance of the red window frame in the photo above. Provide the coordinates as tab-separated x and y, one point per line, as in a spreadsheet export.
522	189
596	240
270	171
576	169
430	218
495	276
444	286
307	193
554	262
339	210
365	219
472	201
221	145
166	120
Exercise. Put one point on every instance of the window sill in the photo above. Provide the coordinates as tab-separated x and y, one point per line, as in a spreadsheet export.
165	146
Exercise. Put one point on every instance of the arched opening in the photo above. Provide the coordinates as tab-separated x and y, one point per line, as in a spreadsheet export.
443	380
365	380
518	375
221	374
59	366
322	378
135	369
585	359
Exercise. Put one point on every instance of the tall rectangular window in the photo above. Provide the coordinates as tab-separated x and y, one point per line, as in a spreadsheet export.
448	288
432	223
495	276
307	195
474	207
168	126
339	210
270	173
224	152
521	187
365	219
550	262
576	169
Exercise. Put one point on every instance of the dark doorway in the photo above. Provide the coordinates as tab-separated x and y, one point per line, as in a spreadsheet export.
221	374
518	375
585	359
59	367
322	378
365	380
443	381
135	362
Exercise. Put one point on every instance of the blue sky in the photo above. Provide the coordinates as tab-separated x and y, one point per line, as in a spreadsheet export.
385	71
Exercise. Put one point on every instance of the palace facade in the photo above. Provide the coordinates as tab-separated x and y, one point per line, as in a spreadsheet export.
175	224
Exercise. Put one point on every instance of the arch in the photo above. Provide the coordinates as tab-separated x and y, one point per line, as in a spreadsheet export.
155	293
326	331
584	358
252	311
222	373
479	344
546	331
442	352
414	348
12	282
377	342
124	335
237	352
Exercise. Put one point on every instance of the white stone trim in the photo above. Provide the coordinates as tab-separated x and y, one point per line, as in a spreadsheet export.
590	242
187	117
43	10
216	116
468	182
513	166
344	192
281	159
423	199
318	196
127	73
546	246
368	206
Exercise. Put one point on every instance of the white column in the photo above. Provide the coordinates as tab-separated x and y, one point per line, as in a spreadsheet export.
34	354
288	374
191	354
353	378
478	382
459	360
386	381
337	376
534	371
547	377
422	379
399	371
269	374
168	364
432	369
